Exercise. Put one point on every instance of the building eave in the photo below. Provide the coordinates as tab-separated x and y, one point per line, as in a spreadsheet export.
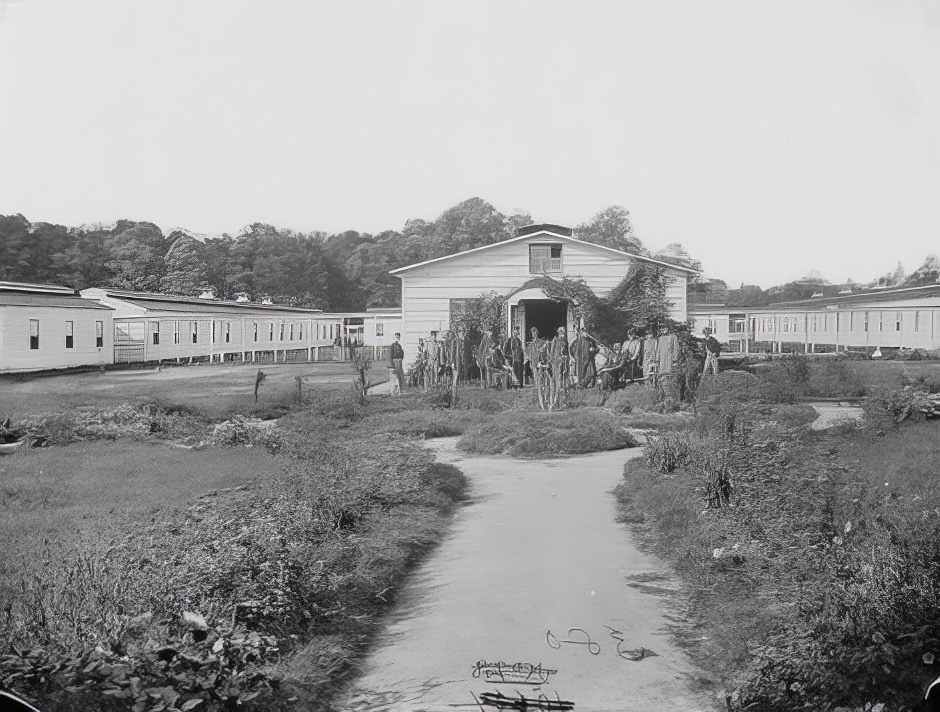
548	234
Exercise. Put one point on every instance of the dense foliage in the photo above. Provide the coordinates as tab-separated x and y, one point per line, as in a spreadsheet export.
812	556
344	271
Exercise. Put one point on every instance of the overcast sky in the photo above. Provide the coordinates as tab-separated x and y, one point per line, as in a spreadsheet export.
769	138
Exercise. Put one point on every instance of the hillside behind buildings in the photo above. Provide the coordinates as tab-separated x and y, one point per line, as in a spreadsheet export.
346	271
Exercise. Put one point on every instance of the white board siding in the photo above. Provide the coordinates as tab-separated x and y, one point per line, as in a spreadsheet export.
427	290
15	354
845	326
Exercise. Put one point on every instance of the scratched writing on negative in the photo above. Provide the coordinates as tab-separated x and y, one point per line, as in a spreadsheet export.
579	636
576	636
517	673
520	702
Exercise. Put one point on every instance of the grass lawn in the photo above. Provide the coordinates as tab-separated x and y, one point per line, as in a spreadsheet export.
60	491
217	390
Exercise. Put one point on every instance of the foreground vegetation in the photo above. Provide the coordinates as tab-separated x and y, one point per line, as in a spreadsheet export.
811	557
160	556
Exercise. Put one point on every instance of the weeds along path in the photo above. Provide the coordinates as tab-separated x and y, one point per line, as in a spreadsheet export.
536	592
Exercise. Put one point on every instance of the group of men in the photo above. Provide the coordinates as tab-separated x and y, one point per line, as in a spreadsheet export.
522	358
575	360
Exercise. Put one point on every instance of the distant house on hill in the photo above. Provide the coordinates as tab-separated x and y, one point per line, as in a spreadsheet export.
434	289
45	326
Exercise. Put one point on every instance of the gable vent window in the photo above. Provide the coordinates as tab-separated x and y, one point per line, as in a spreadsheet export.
544	258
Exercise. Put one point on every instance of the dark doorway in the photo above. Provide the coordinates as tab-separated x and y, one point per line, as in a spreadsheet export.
546	315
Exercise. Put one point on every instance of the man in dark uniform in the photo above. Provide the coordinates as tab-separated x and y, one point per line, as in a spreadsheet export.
515	353
396	355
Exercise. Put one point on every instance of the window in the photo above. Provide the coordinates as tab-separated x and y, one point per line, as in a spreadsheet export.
271	332
155	330
33	334
881	321
917	321
291	332
897	321
379	329
544	258
99	334
866	321
255	338
176	332
280	332
228	332
69	334
193	327
300	332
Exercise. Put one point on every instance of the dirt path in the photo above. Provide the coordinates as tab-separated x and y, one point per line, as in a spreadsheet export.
831	414
535	560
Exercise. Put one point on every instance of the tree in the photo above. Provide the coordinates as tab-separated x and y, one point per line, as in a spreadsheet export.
136	250
186	270
675	253
611	227
927	273
472	223
639	302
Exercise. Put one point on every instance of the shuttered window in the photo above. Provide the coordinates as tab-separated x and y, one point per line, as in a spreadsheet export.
544	258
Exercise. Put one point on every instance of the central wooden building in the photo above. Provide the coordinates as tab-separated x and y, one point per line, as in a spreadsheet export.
431	291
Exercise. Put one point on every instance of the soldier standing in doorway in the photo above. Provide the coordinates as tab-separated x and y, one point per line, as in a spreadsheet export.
515	353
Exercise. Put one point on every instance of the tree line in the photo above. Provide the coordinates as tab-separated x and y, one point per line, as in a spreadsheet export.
346	271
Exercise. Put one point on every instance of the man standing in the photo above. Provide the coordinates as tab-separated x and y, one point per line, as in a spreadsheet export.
515	352
712	349
584	349
396	355
533	353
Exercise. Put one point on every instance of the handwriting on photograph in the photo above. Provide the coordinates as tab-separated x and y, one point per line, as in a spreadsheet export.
517	673
579	636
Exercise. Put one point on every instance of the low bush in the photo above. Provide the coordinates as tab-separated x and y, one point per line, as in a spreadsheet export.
537	434
834	378
887	407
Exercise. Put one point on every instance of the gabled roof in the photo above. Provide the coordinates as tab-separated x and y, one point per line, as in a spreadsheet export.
867	297
27	294
35	288
874	295
554	236
176	303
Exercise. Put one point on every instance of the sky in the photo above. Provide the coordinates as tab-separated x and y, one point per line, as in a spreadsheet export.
768	138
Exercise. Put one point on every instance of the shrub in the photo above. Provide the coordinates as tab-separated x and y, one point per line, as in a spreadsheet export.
886	407
834	378
547	434
667	452
785	380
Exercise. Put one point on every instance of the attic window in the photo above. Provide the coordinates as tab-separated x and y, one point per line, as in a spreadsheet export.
544	258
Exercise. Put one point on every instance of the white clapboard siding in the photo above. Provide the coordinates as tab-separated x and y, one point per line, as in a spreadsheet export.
427	289
909	318
15	351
